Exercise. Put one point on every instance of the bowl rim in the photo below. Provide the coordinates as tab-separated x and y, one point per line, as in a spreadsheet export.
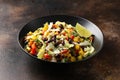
77	17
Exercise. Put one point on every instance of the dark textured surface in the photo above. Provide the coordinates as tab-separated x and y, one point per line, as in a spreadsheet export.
15	65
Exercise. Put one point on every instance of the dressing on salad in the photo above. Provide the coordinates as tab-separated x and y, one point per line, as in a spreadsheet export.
60	42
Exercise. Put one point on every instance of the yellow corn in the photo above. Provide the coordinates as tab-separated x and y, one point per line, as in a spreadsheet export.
69	55
77	47
81	52
79	57
69	30
30	33
45	27
76	39
46	34
34	37
73	59
81	39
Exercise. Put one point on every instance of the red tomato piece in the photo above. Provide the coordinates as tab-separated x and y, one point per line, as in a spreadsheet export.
64	51
72	37
64	33
33	48
30	43
33	51
67	38
47	56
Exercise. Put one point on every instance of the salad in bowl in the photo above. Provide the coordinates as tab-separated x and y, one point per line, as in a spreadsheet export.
60	42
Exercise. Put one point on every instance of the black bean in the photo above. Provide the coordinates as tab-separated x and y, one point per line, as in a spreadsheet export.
92	38
63	43
58	31
49	41
39	45
70	41
58	57
61	30
53	37
57	43
45	39
61	26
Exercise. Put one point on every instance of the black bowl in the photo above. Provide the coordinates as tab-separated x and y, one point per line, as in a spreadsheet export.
34	24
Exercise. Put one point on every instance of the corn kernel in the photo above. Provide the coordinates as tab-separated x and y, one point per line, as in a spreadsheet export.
45	27
46	34
76	39
79	57
81	39
34	37
69	55
81	52
77	47
30	33
73	59
69	30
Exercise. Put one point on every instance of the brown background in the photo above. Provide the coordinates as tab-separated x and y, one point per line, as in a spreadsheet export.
15	65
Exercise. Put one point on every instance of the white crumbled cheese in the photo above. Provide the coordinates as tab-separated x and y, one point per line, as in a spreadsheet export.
50	46
89	50
58	23
69	26
85	43
50	26
28	37
56	51
55	30
68	45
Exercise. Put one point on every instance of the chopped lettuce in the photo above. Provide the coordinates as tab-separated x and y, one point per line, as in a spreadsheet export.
89	50
85	43
68	45
41	51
